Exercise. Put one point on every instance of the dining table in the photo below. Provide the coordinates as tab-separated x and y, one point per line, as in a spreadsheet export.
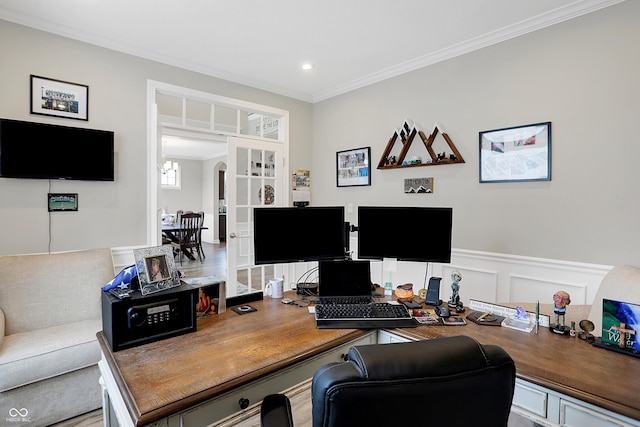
171	233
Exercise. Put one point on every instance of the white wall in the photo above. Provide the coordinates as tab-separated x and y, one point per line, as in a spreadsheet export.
111	214
189	197
582	75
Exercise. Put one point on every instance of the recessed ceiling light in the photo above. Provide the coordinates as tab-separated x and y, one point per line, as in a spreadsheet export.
307	66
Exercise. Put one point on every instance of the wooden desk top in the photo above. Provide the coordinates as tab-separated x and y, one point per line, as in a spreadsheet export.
564	364
228	350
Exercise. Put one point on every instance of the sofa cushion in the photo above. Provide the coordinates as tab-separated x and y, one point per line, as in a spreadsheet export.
42	290
32	356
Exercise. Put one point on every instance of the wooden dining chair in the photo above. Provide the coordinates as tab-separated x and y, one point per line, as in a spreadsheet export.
188	240
201	213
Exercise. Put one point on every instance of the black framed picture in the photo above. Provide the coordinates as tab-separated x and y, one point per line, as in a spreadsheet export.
50	97
63	202
353	167
521	153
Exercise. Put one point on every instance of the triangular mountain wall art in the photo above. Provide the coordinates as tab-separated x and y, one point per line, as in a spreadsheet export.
406	134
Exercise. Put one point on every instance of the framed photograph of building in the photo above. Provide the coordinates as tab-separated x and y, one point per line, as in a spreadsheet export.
50	97
521	153
353	167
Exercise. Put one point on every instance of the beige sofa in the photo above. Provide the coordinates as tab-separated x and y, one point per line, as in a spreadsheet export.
50	312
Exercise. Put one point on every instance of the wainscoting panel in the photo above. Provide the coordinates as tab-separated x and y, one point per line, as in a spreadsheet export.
524	289
476	284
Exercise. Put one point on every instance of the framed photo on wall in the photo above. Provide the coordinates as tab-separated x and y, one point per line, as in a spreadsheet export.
521	153
50	97
353	167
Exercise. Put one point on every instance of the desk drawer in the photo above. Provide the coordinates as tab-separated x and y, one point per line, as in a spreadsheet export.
531	400
572	414
227	404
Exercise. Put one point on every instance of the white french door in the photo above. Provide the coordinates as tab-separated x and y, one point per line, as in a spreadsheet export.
255	170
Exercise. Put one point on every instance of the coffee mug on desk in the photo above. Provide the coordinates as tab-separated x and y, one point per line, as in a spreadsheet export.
274	288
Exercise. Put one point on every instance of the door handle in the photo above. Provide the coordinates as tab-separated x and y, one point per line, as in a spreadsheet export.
233	235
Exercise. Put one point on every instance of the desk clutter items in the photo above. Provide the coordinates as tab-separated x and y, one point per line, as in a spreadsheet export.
124	283
405	292
275	287
485	318
454	301
520	320
514	318
244	309
561	300
438	316
620	324
211	294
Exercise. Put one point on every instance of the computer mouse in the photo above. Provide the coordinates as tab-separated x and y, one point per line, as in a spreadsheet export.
442	311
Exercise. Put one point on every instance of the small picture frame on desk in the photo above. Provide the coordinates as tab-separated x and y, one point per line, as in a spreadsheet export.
156	269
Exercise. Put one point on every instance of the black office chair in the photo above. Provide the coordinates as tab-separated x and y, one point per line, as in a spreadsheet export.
444	381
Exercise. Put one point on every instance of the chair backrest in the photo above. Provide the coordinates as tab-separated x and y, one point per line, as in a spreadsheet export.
444	381
190	223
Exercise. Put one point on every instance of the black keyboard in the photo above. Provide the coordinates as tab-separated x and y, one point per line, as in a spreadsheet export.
363	316
345	300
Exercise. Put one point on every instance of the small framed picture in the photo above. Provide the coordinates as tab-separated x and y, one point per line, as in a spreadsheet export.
59	202
521	153
50	97
156	269
353	167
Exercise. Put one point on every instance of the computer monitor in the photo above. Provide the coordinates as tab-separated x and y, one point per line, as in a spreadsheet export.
405	233
289	234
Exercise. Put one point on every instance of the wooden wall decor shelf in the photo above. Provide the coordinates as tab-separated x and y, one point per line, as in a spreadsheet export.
407	134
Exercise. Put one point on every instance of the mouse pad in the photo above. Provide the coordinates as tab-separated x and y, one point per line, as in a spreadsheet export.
244	309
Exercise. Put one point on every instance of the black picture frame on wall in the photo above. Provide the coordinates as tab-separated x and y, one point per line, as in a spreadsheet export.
353	167
58	98
516	154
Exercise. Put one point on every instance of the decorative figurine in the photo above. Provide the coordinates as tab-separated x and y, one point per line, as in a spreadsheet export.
587	327
454	301
561	300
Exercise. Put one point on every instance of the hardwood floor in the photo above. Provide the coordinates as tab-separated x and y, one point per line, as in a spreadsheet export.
215	262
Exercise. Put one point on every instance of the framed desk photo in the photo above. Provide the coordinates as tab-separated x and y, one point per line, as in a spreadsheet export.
521	153
50	97
353	167
156	269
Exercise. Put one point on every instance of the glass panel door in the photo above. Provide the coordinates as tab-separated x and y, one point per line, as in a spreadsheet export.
258	173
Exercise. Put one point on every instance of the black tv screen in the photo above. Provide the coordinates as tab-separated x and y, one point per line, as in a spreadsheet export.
288	234
44	151
405	233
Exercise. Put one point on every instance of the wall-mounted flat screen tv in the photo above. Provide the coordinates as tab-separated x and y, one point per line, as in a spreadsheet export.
288	234
45	151
405	233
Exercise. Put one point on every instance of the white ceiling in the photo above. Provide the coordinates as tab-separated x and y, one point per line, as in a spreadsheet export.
263	44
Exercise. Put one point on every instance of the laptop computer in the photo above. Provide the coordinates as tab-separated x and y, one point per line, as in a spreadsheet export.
344	282
620	326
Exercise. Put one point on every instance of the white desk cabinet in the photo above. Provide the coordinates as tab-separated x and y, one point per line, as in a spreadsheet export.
549	408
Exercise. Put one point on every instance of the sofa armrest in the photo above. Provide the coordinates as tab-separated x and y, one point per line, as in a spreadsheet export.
1	326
